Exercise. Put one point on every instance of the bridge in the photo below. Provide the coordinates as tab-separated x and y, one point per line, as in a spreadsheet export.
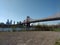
29	20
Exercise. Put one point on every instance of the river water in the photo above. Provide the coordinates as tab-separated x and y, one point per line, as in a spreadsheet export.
17	29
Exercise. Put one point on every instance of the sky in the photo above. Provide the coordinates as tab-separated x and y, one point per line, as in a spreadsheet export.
18	10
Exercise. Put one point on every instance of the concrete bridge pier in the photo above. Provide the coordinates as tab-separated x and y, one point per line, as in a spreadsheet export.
28	25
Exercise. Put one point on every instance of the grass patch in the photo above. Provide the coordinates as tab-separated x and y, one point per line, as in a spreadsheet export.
57	29
57	42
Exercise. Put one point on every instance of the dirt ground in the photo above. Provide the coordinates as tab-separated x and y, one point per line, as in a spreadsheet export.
29	38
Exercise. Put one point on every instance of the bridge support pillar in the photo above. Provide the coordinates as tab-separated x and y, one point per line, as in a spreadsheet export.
28	25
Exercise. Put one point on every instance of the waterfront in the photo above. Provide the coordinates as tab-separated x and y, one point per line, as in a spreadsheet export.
17	29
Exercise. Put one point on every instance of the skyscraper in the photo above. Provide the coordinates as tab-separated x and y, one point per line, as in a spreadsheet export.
10	22
7	22
14	22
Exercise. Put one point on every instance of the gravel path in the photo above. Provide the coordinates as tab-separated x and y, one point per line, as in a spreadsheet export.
29	38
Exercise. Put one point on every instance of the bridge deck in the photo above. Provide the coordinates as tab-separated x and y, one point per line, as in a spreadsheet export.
45	19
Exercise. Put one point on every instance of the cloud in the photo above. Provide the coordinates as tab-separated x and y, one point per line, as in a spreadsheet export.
55	15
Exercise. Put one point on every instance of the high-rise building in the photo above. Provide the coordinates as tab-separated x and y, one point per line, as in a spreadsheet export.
10	22
7	22
14	22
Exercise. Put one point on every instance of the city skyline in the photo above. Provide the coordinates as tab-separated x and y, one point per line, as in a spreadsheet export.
17	10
